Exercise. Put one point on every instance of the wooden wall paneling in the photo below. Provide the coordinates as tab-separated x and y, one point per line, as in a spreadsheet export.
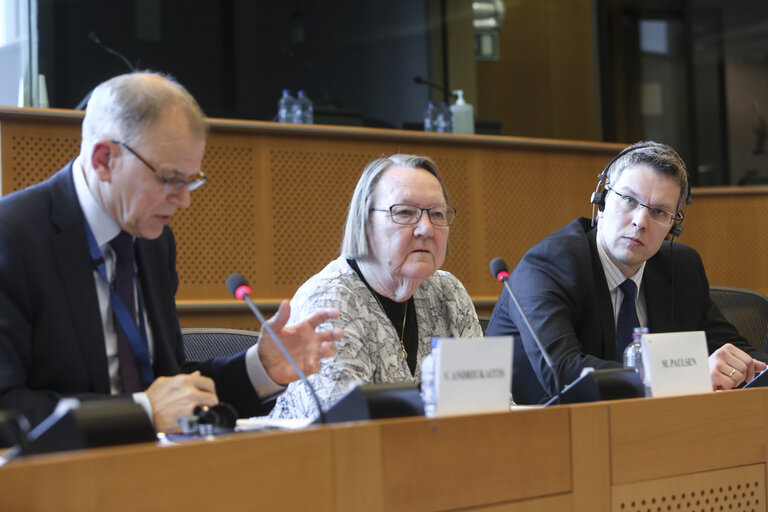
276	204
652	439
33	150
248	471
591	457
727	226
561	503
358	452
734	489
466	461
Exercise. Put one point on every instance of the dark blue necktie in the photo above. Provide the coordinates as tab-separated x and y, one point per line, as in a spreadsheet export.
122	244
627	318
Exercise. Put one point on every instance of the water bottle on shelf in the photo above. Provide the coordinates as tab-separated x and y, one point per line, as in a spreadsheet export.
444	119
633	355
429	380
430	117
285	107
305	107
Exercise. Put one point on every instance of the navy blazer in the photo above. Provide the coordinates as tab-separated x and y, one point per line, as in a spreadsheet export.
51	336
561	285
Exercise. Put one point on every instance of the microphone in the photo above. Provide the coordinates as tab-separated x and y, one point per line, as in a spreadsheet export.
94	37
422	81
501	273
238	286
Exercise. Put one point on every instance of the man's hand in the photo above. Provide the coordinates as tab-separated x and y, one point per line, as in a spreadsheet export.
301	340
173	397
730	366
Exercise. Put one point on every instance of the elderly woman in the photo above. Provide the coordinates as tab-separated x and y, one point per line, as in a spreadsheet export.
387	284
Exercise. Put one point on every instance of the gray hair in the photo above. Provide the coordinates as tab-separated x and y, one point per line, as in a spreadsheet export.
354	245
123	107
660	157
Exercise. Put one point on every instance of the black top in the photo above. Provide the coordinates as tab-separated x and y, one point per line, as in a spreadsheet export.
395	311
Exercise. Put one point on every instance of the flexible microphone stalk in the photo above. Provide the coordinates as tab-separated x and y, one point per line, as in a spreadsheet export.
501	273
238	286
94	37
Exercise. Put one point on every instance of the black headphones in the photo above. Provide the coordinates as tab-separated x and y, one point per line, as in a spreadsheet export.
598	196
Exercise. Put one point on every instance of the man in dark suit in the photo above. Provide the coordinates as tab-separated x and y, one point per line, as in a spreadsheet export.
571	285
81	315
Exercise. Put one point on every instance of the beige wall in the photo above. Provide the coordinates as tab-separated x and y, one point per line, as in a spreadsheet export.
544	83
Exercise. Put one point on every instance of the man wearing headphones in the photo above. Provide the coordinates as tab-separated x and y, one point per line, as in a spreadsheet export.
587	285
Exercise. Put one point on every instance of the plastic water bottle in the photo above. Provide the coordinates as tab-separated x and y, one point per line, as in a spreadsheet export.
429	380
285	107
444	121
305	109
463	114
633	355
430	117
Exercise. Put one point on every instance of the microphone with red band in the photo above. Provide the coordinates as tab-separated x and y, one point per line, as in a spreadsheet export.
501	273
238	286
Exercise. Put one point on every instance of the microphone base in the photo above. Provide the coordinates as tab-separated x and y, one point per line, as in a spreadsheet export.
375	401
598	385
91	424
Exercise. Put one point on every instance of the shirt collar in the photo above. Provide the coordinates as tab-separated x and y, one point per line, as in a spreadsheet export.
102	225
613	275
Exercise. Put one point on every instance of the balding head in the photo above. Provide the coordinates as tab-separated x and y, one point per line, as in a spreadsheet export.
123	107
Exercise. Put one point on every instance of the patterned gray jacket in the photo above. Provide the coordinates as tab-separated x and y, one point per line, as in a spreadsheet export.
369	351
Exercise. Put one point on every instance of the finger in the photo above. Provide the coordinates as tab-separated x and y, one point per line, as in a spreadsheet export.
328	349
205	398
730	358
331	334
322	315
722	381
280	318
202	383
750	373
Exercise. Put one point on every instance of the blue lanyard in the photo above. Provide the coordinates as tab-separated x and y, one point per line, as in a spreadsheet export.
136	337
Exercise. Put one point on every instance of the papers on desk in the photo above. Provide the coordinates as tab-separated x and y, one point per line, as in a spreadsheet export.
267	423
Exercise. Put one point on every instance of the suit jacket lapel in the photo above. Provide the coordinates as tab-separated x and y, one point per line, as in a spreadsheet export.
70	246
604	305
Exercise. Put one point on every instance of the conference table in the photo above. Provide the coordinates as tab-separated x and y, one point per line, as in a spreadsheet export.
692	453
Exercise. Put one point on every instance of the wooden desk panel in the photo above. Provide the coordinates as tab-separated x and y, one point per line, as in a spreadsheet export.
633	455
468	461
401	464
665	437
277	471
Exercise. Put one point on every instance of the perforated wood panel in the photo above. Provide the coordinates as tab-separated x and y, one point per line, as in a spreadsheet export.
275	206
455	173
729	490
527	196
34	151
310	194
730	228
217	234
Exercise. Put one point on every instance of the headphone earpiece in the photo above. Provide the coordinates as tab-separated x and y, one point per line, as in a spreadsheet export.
598	198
